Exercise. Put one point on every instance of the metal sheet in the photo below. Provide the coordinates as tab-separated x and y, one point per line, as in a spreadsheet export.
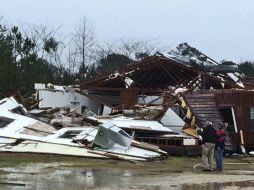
172	121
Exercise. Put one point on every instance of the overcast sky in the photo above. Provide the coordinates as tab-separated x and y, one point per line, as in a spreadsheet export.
222	29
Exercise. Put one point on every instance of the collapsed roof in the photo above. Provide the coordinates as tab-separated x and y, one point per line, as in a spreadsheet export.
163	71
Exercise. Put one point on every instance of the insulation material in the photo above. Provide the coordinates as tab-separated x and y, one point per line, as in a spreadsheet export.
183	104
188	114
191	132
38	129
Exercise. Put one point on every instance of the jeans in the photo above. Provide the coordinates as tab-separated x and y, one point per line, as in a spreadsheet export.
219	158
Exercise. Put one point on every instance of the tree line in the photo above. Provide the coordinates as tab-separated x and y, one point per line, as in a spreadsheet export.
38	54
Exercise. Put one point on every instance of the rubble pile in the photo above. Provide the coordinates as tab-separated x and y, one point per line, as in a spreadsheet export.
162	100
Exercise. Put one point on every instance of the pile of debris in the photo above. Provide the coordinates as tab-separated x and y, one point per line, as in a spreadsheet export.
22	134
163	100
196	90
157	120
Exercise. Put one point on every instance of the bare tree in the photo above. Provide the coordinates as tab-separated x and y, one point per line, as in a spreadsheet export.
133	48
49	44
103	50
84	41
71	57
40	34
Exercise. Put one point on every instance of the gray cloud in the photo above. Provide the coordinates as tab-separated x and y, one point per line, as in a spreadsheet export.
223	29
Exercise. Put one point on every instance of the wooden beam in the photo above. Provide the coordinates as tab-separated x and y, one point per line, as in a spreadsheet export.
155	80
151	77
119	89
168	73
143	76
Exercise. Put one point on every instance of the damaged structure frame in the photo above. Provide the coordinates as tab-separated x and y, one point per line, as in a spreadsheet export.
196	90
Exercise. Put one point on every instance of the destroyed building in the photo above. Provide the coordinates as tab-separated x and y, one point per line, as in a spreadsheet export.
61	96
22	134
196	90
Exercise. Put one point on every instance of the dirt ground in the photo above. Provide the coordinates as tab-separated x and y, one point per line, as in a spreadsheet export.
175	173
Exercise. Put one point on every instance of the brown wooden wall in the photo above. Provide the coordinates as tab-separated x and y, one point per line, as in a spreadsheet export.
128	98
241	101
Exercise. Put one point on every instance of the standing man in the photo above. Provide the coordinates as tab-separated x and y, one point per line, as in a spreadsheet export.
208	144
220	146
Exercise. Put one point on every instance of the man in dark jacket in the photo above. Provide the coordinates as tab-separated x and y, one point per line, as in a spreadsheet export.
220	146
208	144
